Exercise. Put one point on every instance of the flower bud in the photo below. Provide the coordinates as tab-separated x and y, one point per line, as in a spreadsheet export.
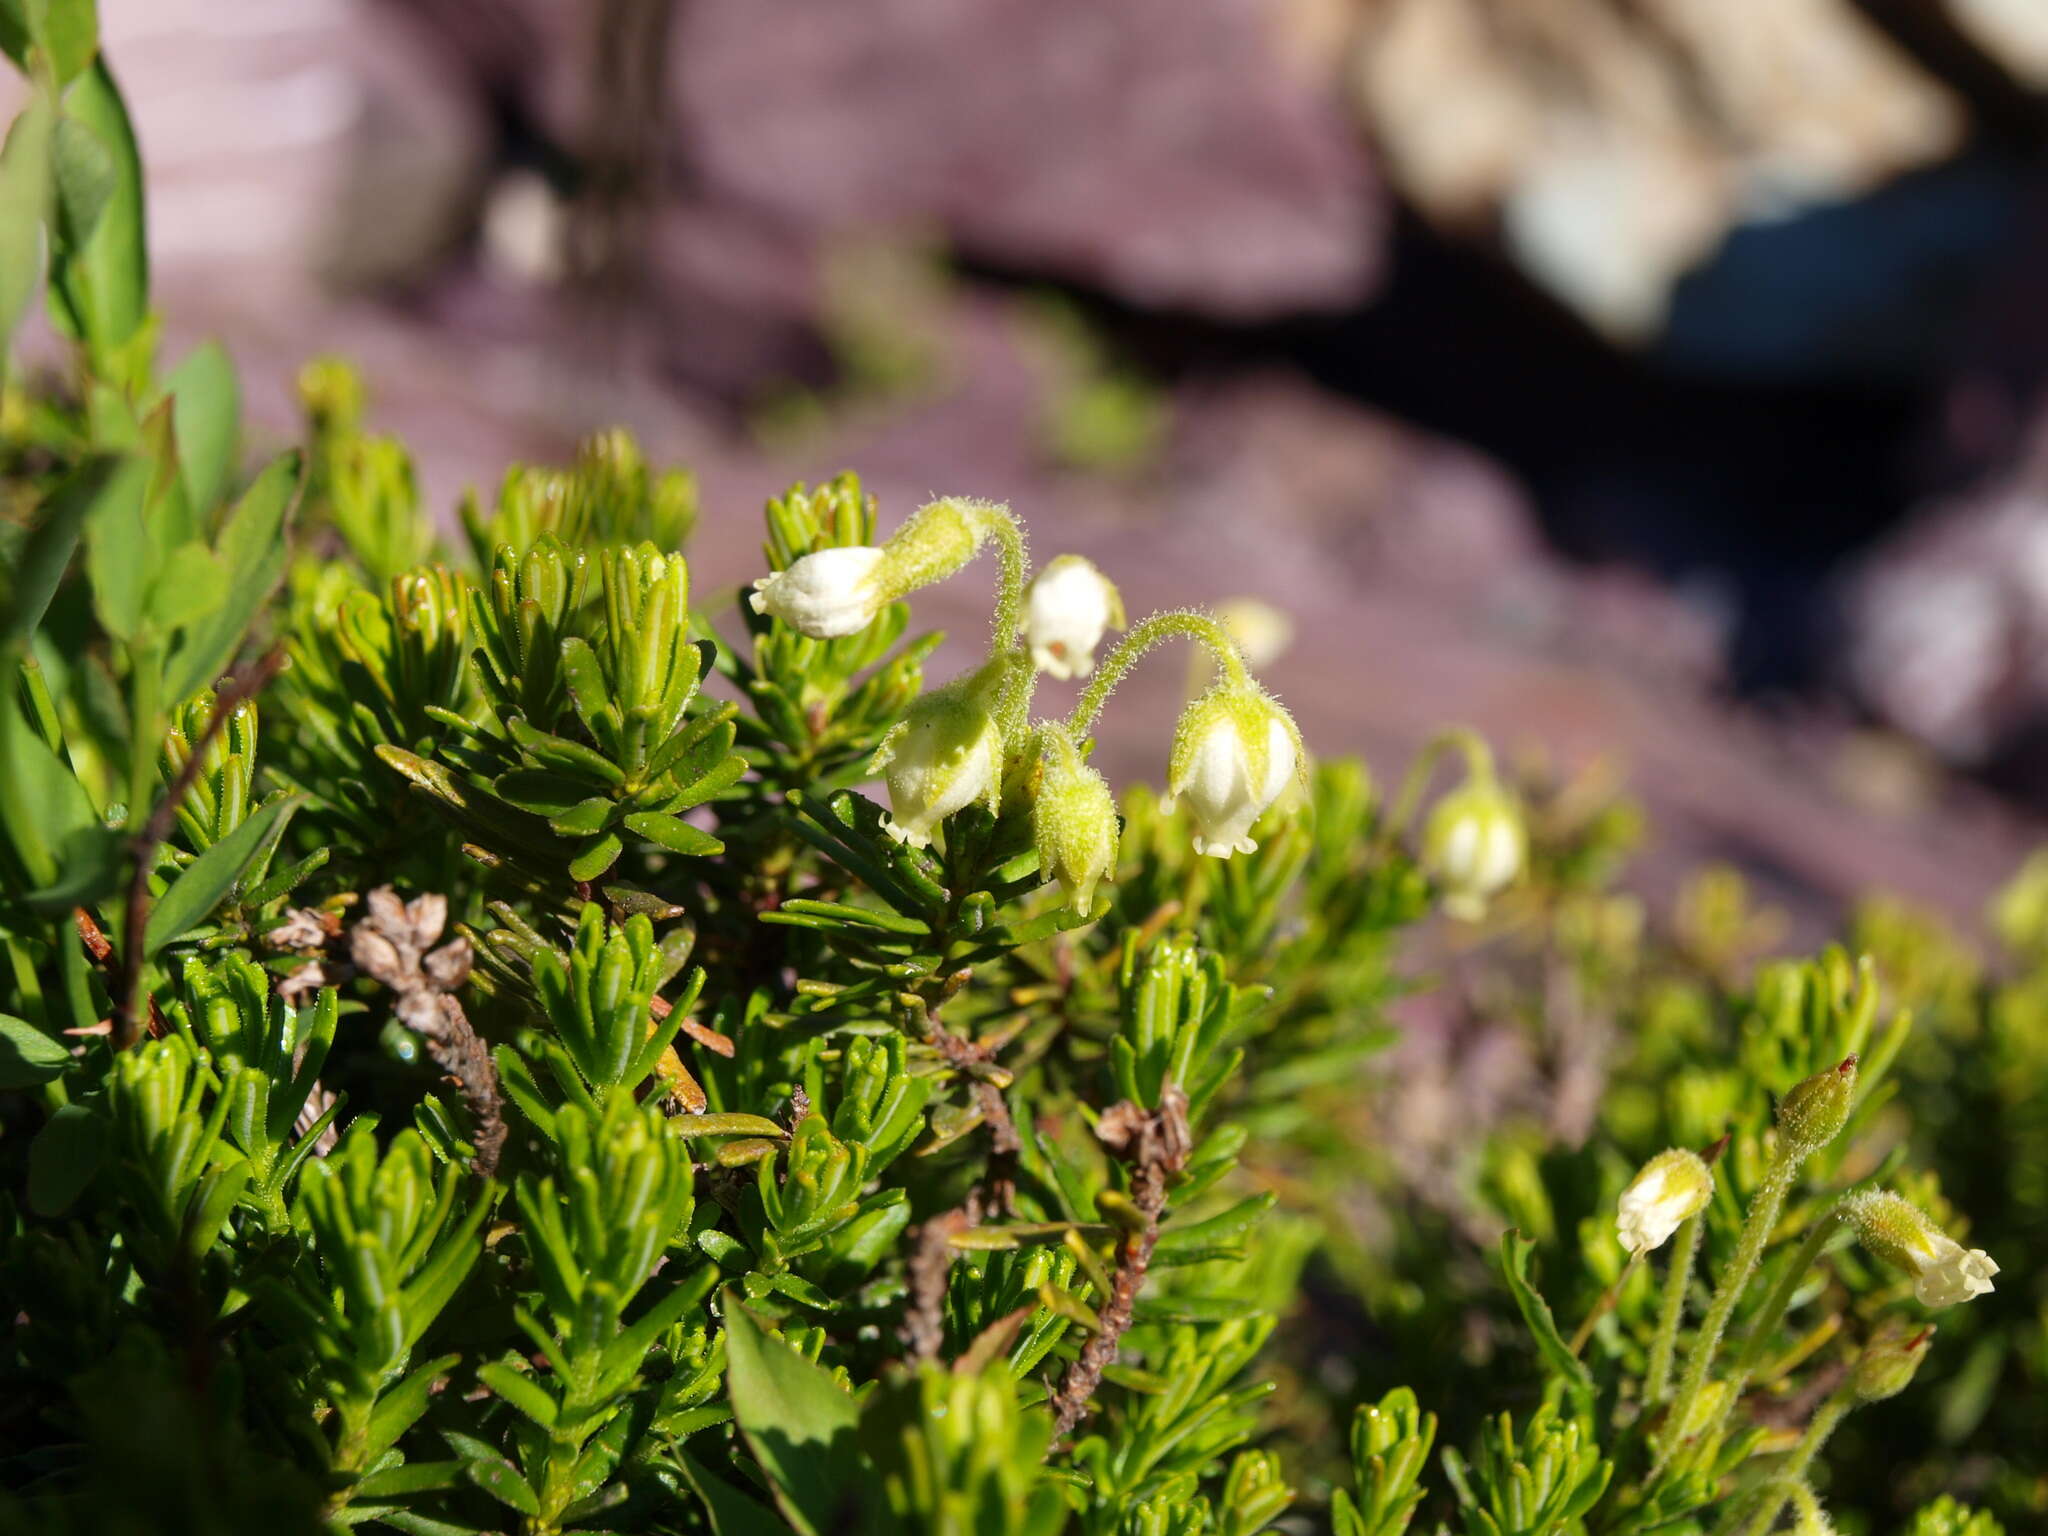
945	754
1073	822
1474	846
1886	1366
1813	1113
1233	753
1671	1187
1070	606
825	594
1899	1232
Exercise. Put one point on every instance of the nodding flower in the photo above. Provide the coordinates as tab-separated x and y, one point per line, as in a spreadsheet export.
1234	752
827	593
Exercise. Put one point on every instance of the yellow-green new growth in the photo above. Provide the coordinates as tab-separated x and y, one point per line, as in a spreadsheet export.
1073	821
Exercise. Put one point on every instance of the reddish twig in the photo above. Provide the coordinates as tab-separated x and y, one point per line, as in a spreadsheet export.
1156	1143
230	696
931	1257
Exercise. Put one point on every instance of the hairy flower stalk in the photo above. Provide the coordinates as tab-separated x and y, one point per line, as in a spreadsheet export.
1671	1312
1811	1115
1236	748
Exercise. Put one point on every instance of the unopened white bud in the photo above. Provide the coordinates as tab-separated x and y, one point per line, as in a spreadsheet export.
1069	608
945	755
825	594
1234	752
1944	1272
1474	846
1670	1188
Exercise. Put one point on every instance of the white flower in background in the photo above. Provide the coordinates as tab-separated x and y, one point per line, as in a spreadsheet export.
945	755
1944	1272
1069	608
1671	1187
1474	846
825	594
1234	752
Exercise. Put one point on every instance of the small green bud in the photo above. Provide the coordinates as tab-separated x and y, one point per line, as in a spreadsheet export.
1886	1366
1073	822
1474	845
1813	1113
1234	752
943	756
1671	1187
1894	1229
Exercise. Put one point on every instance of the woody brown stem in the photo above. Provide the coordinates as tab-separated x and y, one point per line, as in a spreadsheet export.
233	693
1133	1259
1157	1144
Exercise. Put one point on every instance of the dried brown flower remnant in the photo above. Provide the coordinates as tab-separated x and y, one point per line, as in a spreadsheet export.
395	945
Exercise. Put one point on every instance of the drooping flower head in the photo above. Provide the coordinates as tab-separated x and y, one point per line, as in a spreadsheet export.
1068	609
943	756
827	593
1234	752
1670	1187
1944	1272
1474	845
1073	823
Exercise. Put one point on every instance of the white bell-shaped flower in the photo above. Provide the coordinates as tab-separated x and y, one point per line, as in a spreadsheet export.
1234	752
1671	1187
1474	846
827	593
1068	609
945	755
1944	1272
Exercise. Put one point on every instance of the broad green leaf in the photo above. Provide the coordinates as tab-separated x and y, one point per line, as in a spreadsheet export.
207	412
47	552
62	1159
673	833
101	289
189	587
210	877
27	1055
252	549
24	205
1558	1359
64	32
520	1390
400	1407
493	1473
117	550
732	1512
44	810
797	1422
85	175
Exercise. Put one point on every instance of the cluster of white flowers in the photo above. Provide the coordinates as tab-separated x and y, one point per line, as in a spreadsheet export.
1235	751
